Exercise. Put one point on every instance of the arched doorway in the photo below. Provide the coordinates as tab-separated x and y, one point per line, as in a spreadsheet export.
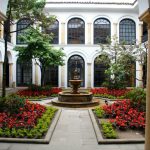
51	76
24	73
99	72
73	62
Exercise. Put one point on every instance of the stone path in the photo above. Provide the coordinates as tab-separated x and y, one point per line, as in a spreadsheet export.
74	131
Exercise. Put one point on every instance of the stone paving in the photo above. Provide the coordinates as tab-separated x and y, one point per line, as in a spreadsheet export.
74	131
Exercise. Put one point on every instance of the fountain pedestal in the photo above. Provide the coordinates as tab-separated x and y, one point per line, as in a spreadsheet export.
75	85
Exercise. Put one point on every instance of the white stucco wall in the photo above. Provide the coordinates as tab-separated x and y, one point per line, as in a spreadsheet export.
88	51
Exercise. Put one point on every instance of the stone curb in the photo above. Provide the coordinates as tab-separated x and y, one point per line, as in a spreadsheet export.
47	138
101	140
40	99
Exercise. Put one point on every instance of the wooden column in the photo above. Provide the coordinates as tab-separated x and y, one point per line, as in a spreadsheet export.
146	18
140	32
1	74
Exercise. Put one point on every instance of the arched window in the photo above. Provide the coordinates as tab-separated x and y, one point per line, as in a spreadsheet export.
23	23
127	31
24	73
99	71
51	76
76	31
101	30
76	61
54	30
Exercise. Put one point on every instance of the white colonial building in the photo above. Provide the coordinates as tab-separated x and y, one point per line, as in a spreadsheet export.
80	26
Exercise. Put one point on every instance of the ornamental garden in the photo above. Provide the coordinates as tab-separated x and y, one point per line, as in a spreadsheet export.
120	110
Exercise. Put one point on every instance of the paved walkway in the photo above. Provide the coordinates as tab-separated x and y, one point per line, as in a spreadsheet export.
74	131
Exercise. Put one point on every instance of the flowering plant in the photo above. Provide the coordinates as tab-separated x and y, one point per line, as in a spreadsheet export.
31	93
112	92
26	118
122	115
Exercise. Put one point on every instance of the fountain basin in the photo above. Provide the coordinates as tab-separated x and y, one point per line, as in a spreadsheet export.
75	85
69	97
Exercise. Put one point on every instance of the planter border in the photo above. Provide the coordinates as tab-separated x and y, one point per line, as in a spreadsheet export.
47	138
103	98
100	138
40	99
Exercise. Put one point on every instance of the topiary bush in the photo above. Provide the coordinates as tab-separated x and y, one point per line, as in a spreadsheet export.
11	103
33	87
138	98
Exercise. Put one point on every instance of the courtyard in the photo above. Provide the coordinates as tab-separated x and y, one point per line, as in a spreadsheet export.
75	74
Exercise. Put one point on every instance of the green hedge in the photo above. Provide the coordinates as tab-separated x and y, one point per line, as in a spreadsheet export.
108	131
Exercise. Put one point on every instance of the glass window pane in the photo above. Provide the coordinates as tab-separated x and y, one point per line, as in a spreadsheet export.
54	30
51	76
23	23
127	30
76	61
101	30
76	31
24	73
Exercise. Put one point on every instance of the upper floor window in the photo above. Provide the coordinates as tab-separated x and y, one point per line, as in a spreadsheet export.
127	31
23	23
101	30
76	31
54	30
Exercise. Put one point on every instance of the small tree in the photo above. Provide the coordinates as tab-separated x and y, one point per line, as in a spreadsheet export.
122	57
140	54
20	9
39	49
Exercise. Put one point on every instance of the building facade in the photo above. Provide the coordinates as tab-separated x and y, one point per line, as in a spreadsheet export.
79	29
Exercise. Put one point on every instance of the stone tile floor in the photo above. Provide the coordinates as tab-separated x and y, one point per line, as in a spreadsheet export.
74	131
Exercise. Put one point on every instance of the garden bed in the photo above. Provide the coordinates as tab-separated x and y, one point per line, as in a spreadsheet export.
110	93
38	93
122	120
31	123
123	136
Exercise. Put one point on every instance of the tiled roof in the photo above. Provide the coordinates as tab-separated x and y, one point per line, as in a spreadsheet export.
111	2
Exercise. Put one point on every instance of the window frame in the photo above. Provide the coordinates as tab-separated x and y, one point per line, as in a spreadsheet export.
127	31
75	38
94	28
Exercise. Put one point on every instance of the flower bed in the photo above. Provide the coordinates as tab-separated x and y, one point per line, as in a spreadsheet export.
122	115
36	94
32	121
109	93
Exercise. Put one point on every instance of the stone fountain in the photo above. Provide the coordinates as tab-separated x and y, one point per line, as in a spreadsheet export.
75	98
